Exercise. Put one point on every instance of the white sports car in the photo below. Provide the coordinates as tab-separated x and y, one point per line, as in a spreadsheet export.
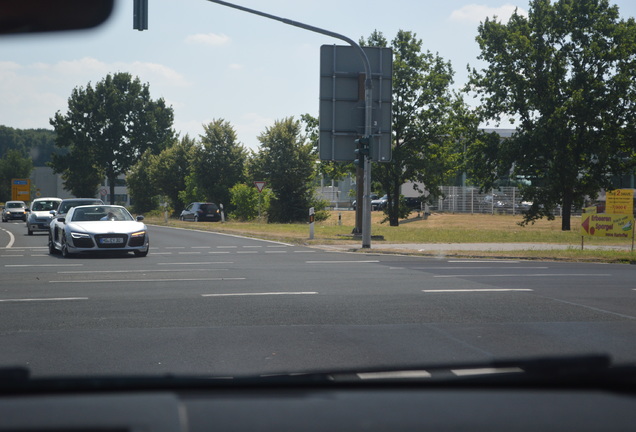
101	228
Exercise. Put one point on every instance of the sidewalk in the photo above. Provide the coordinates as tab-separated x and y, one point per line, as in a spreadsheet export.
483	247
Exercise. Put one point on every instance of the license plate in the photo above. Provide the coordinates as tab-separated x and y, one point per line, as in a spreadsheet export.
111	240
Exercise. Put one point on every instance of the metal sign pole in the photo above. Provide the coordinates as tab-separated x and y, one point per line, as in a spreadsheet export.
368	94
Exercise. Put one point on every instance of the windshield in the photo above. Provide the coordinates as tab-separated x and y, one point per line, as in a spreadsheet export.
15	205
246	203
101	213
45	205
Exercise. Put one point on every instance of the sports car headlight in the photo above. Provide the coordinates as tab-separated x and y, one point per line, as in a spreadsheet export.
138	234
77	235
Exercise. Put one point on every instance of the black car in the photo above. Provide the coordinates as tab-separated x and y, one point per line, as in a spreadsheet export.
200	212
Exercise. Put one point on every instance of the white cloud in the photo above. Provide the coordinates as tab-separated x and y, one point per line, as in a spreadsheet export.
475	13
32	93
235	66
212	39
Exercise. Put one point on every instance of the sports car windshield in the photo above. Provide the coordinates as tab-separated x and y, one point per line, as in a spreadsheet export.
100	213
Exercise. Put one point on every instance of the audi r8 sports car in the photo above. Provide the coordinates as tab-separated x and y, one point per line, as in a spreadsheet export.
100	228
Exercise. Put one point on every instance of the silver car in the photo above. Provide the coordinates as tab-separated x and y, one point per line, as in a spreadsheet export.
39	216
101	228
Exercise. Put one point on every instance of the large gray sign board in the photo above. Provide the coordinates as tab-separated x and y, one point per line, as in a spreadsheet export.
342	102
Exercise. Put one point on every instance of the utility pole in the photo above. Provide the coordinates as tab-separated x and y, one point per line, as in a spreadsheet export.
368	94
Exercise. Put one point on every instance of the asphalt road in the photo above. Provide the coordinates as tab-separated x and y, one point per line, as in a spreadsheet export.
205	303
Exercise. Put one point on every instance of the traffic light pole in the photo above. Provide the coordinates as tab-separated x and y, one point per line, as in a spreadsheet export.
368	105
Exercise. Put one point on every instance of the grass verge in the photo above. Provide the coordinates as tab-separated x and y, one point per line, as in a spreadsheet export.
438	228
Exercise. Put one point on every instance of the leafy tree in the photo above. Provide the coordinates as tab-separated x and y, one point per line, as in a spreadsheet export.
39	144
171	168
247	201
143	191
106	130
13	164
286	162
424	148
566	73
218	163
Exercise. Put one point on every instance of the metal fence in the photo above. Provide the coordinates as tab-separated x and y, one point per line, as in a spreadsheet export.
505	200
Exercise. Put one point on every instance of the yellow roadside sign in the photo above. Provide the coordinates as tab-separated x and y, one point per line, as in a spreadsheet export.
607	225
619	201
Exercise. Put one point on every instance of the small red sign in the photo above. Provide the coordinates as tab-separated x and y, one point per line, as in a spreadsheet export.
260	185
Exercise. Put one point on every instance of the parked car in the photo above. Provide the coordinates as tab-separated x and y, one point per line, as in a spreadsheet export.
101	228
39	217
14	210
379	203
373	197
200	212
56	227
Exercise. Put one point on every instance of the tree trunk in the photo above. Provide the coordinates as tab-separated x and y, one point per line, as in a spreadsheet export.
393	203
566	211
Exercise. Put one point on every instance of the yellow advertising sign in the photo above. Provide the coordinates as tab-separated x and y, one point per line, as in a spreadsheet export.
619	201
20	189
607	225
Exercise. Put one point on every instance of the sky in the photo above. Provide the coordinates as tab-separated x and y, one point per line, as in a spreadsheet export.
210	61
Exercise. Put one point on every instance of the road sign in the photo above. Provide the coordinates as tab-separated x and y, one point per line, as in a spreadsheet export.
619	201
607	225
21	189
260	185
342	102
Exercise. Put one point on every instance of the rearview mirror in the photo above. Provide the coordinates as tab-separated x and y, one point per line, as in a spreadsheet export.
28	16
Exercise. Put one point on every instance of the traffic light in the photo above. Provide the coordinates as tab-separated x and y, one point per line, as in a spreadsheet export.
140	15
363	149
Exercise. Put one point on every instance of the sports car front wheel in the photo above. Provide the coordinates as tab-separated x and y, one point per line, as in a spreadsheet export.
141	253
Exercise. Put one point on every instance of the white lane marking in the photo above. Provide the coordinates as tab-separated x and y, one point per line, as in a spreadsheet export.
394	374
227	247
201	247
275	252
146	280
224	234
480	268
527	275
190	253
248	246
175	247
304	251
140	271
218	253
342	262
485	261
11	256
11	238
260	294
277	246
196	263
247	252
44	299
476	290
44	265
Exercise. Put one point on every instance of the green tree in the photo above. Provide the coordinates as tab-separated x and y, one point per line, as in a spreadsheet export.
566	74
424	146
14	164
171	168
218	163
106	130
247	202
143	191
286	161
